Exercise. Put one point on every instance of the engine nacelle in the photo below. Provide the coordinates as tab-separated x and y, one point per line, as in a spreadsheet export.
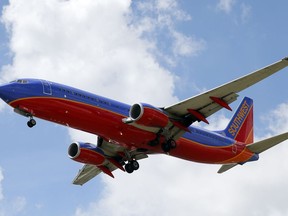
86	153
147	115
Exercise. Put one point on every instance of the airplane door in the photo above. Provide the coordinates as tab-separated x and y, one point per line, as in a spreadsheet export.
46	87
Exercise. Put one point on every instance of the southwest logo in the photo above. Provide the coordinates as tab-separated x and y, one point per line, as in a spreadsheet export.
238	120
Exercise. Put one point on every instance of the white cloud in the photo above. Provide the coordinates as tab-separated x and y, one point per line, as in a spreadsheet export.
241	13
10	208
225	5
277	119
160	17
87	44
187	46
14	207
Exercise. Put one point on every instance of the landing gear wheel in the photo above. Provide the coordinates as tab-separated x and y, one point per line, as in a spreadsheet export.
129	168
31	123
135	164
132	166
172	143
167	146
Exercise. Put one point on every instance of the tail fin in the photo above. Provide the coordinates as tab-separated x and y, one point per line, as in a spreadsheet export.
240	127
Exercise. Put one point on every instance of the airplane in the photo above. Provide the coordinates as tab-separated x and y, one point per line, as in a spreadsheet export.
128	133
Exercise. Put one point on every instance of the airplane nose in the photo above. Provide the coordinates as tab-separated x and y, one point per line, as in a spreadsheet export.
6	92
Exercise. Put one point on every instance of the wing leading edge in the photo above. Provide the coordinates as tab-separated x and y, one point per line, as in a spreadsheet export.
203	105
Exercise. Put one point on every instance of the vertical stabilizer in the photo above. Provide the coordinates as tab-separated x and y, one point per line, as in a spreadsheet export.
240	127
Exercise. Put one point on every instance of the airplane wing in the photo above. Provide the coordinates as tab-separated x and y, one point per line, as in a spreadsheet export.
90	171
199	107
86	173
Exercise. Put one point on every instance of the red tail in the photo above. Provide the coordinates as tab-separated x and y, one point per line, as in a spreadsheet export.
240	127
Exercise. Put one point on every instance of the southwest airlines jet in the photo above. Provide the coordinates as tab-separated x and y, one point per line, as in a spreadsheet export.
127	133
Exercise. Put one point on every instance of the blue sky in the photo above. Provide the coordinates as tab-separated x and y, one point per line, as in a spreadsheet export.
154	51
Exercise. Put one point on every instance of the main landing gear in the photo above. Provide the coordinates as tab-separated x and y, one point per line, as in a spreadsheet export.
132	166
31	123
166	146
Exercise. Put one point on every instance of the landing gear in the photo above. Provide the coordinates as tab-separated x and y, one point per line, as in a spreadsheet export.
167	146
31	123
131	166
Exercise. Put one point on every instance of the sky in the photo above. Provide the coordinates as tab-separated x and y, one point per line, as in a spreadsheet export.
154	51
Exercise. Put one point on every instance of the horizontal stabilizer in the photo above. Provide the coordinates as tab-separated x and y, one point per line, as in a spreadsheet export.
258	147
226	167
263	145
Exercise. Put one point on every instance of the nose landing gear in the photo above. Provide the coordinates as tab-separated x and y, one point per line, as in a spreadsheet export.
31	123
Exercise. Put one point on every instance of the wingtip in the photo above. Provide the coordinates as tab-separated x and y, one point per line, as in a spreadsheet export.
285	59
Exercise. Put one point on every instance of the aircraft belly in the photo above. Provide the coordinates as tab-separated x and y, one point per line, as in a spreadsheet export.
85	117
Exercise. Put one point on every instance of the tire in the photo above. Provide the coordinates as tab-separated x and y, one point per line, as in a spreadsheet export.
135	165
29	124
129	168
33	122
166	147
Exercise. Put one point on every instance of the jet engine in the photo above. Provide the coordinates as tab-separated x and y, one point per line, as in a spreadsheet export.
86	153
147	115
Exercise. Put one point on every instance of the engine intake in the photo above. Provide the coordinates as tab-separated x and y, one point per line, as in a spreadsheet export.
147	115
86	153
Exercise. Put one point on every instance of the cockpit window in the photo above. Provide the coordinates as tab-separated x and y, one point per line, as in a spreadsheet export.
22	81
